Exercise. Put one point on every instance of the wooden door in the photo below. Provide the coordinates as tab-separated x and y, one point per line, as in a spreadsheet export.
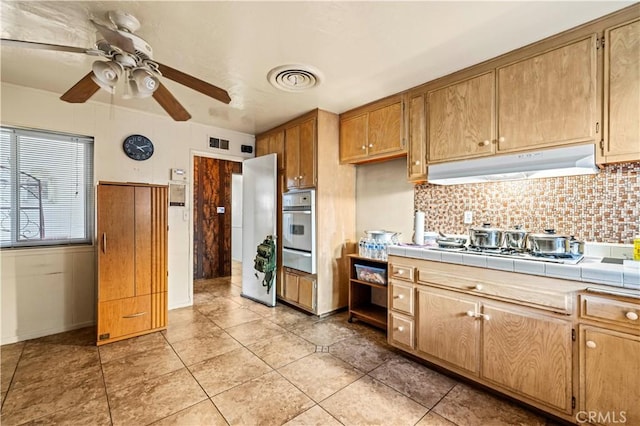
528	353
385	129
292	156
610	375
461	119
306	292
307	154
116	240
622	92
445	331
416	152
353	138
291	289
549	99
212	229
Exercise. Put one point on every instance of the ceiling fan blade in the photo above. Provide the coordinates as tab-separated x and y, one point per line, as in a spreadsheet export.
194	83
43	46
81	91
115	38
170	104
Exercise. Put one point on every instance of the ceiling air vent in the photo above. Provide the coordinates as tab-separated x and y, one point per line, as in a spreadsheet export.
294	78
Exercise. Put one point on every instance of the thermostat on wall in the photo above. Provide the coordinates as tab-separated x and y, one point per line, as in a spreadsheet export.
178	174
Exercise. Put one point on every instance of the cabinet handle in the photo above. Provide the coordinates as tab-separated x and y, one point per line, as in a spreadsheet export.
591	344
300	177
139	314
104	242
399	272
370	145
478	287
501	139
417	162
631	316
295	178
400	329
484	143
364	147
478	315
400	296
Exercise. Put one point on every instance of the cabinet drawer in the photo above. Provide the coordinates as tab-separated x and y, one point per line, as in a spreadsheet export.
124	316
401	330
609	310
402	272
402	298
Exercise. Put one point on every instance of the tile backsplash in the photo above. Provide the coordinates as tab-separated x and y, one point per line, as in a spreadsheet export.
602	208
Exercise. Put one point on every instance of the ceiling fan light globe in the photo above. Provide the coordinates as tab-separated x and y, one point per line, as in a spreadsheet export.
106	73
106	86
145	82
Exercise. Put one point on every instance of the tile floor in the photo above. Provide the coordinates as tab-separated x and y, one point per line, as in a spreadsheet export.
228	360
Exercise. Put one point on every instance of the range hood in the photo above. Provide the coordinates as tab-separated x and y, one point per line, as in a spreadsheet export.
566	161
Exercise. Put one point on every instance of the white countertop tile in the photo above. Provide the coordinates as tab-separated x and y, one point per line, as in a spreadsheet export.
432	255
452	257
474	260
501	263
529	267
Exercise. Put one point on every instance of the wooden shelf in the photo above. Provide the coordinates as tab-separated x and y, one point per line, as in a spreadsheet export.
360	306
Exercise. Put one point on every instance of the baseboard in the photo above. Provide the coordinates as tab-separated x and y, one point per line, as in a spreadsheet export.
41	333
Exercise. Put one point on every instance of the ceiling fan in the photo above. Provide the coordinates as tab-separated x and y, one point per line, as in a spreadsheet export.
129	57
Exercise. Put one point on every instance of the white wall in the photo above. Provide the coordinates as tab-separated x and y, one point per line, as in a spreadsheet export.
175	144
384	198
236	217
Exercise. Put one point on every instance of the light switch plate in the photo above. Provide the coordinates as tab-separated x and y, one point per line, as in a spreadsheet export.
468	217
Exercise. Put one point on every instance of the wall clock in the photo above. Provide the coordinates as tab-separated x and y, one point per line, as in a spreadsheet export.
138	147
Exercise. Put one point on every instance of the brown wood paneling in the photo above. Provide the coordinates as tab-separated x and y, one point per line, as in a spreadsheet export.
143	243
212	230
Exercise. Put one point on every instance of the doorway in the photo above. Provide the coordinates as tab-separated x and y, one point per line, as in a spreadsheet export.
212	216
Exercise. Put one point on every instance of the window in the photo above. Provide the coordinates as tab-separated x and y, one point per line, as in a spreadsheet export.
46	188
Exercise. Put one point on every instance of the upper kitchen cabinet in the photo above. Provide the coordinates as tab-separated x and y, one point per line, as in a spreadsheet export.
549	99
417	136
622	93
271	143
373	132
300	155
461	119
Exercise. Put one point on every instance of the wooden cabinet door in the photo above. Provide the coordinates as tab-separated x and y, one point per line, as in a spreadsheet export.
549	99
353	138
291	290
307	154
610	375
116	241
622	92
461	119
262	146
445	331
306	292
276	146
417	135
143	243
384	132
528	353
292	156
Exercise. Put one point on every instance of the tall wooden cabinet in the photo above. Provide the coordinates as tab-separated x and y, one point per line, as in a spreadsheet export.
417	138
311	153
132	260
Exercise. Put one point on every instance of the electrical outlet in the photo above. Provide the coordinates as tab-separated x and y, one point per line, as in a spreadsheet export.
468	217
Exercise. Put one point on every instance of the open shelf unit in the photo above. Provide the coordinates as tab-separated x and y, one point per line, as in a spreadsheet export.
360	306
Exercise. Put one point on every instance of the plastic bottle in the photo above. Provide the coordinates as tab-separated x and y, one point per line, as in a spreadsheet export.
636	247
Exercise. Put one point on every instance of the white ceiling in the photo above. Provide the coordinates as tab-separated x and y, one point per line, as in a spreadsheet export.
366	50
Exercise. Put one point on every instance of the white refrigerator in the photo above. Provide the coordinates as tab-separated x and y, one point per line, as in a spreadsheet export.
259	216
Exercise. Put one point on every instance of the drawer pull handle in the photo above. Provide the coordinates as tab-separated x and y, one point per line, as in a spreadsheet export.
139	314
370	145
364	147
400	329
478	287
399	272
471	314
591	344
631	316
400	296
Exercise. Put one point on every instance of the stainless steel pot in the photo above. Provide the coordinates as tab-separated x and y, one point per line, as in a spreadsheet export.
451	242
486	237
548	243
515	238
576	247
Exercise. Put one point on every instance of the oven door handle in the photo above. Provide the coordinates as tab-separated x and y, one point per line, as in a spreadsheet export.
298	252
296	211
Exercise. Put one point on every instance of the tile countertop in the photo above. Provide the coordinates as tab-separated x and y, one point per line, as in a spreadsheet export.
588	270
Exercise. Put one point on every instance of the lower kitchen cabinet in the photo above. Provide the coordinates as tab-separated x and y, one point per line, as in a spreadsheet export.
445	331
362	293
300	289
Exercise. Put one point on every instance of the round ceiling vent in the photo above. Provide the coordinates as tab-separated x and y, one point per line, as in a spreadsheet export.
294	78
